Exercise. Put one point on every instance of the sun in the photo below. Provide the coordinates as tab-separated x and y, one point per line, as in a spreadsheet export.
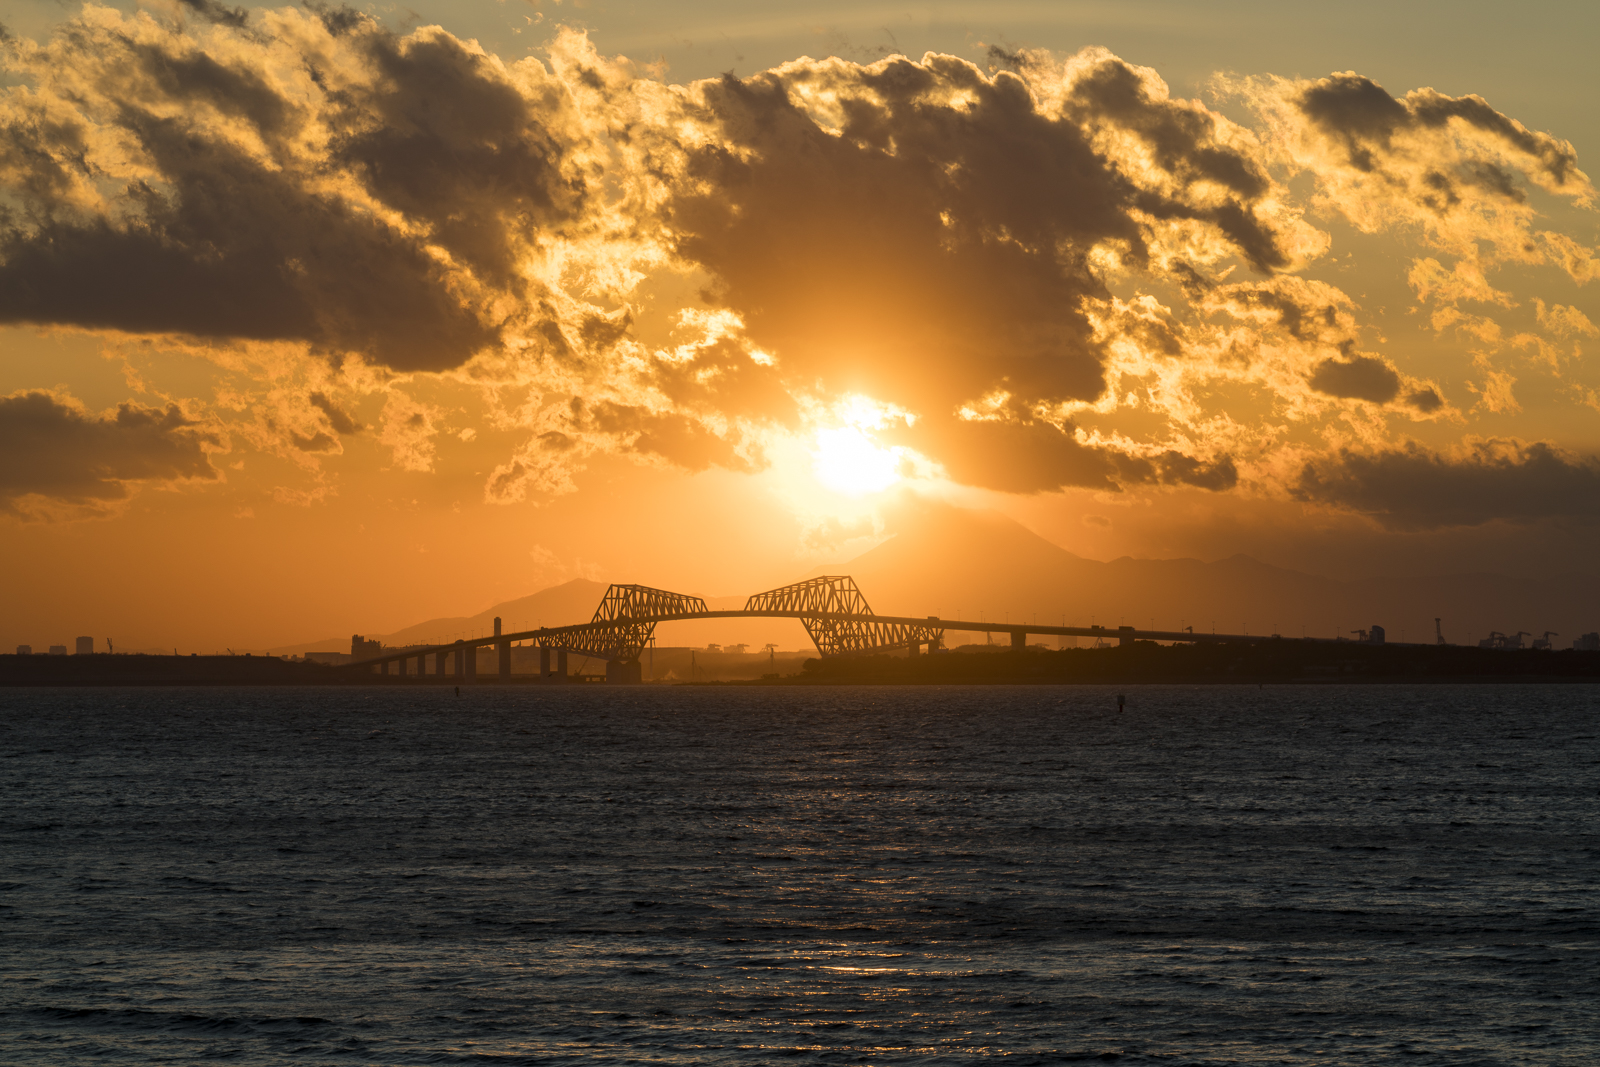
847	461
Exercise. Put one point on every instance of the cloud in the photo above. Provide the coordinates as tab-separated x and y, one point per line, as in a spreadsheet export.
1368	124
1452	169
1357	378
923	233
53	449
360	193
409	427
1178	469
675	438
1563	320
1415	488
1464	281
1426	400
316	442
1057	273
341	422
1013	457
215	12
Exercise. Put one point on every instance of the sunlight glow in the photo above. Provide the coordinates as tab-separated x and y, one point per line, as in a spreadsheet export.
847	461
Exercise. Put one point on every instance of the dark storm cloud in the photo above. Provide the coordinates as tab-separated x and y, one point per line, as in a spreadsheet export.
238	233
834	251
54	450
41	157
1357	378
932	246
1415	488
438	136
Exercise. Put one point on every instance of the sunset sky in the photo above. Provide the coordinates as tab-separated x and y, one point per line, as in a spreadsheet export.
320	319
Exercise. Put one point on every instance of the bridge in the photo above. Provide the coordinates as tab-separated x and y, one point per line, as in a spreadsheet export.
832	609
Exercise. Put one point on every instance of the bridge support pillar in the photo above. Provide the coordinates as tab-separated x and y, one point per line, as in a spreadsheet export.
624	672
461	661
914	650
438	662
503	654
544	663
1019	640
561	665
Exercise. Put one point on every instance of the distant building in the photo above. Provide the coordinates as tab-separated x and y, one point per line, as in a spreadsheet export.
361	648
24	650
1587	643
58	650
85	646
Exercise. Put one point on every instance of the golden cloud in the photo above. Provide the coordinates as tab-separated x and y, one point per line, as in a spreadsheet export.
1057	272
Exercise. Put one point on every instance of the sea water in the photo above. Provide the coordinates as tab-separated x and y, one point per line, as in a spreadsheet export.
918	875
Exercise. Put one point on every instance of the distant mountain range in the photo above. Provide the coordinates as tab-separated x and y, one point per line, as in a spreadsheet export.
971	565
569	602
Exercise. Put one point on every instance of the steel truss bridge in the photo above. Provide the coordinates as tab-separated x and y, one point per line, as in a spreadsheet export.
832	609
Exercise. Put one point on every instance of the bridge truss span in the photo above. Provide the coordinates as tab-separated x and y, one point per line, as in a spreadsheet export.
831	608
624	622
837	616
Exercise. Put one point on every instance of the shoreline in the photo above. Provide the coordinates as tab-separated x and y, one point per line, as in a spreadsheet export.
1280	661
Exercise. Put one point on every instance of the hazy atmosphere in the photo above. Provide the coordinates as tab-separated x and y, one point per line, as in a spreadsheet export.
319	320
712	533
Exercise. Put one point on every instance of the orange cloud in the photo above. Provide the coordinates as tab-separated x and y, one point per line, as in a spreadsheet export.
1057	274
58	453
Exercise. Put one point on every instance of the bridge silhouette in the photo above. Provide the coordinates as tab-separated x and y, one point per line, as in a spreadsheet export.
832	609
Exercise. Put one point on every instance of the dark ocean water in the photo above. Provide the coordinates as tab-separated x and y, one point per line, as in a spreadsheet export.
1291	875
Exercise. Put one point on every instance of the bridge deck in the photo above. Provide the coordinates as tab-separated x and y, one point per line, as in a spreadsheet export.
550	635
